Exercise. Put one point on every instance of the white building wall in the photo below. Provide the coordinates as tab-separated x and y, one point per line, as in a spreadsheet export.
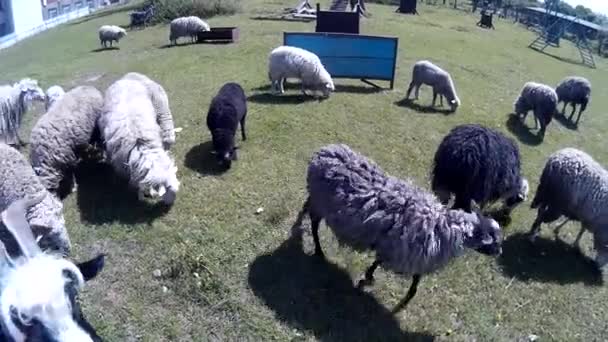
27	15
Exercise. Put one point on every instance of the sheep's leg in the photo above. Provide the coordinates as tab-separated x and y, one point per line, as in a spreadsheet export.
434	97
314	223
573	110
417	91
545	215
441	100
558	228
577	241
282	85
410	294
368	277
243	135
409	90
580	112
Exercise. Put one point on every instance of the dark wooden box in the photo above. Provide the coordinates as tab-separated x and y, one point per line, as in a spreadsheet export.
223	34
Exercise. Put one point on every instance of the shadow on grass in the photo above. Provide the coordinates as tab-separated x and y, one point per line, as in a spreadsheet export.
501	215
562	59
358	89
522	132
310	293
409	103
547	260
102	49
267	98
564	121
104	197
200	159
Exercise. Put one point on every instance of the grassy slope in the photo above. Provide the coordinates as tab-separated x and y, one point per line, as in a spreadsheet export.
252	285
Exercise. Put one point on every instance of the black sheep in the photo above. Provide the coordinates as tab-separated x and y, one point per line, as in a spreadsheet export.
480	164
228	108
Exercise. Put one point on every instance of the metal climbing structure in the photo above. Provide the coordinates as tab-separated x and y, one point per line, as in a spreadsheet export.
554	25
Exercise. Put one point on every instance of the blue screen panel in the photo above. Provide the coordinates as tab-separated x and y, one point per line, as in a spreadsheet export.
381	69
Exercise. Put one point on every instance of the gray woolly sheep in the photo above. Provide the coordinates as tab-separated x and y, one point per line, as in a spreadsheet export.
425	72
288	61
14	103
574	185
227	109
53	94
160	101
133	141
61	135
110	33
539	98
574	90
187	27
411	232
18	181
476	163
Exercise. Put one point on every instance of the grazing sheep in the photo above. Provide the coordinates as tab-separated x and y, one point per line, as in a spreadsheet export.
133	141
61	135
14	103
411	232
425	72
187	27
39	290
574	185
480	164
160	100
18	181
53	94
539	98
228	108
574	90
110	33
288	61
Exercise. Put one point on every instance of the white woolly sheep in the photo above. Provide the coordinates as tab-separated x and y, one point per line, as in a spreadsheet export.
61	136
38	290
539	98
574	185
18	181
14	103
574	90
411	232
160	100
425	72
288	61
186	27
110	33
53	94
479	164
134	143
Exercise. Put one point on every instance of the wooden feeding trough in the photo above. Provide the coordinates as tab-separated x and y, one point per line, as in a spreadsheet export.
486	20
219	34
338	21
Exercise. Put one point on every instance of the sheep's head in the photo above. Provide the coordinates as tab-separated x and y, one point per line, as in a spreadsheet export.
31	91
223	148
486	236
30	312
454	104
520	195
122	33
53	94
155	173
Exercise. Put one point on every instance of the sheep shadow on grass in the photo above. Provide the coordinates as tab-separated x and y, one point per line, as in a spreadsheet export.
201	160
309	293
409	103
285	99
102	49
522	132
564	121
547	260
104	197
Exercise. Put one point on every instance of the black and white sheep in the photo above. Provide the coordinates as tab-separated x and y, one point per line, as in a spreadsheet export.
134	143
18	181
476	163
61	136
288	61
425	72
574	90
228	108
411	232
14	103
39	290
186	27
539	98
574	185
110	33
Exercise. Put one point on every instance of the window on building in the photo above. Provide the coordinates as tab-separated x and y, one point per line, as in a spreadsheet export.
52	12
91	4
78	4
65	8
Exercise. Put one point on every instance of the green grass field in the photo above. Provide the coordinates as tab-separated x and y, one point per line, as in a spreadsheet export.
232	275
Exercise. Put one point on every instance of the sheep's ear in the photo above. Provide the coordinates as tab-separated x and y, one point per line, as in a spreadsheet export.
16	223
153	192
161	191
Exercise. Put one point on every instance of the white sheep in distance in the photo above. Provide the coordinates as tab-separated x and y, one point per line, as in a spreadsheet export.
133	141
288	61
539	98
14	103
53	94
425	72
186	27
411	232
160	101
574	90
110	33
18	181
60	137
574	185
